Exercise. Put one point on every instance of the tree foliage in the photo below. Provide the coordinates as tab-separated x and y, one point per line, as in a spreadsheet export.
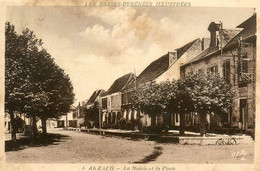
34	83
201	93
92	114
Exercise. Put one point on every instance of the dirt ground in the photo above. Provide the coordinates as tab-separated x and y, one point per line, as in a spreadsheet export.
73	147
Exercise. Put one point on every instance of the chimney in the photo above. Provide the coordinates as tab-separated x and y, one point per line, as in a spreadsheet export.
213	28
202	44
172	57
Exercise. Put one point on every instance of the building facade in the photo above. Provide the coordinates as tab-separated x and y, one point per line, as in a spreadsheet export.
232	54
164	68
93	110
111	100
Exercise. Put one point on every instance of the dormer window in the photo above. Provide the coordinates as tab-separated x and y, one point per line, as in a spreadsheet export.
172	57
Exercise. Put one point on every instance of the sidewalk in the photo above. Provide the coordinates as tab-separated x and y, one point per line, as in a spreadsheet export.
191	138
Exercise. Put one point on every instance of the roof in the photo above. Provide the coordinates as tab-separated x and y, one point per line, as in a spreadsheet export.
183	49
94	96
120	83
205	52
159	66
247	22
249	30
155	69
230	38
228	35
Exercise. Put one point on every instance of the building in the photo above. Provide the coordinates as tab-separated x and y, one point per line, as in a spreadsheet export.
164	68
111	100
75	118
232	54
92	108
66	120
20	121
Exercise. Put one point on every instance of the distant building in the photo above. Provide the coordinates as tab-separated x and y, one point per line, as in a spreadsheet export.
94	102
66	120
111	100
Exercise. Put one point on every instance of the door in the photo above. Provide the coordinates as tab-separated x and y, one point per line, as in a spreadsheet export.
243	113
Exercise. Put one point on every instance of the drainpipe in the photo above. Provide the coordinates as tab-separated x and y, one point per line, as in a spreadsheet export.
221	48
99	113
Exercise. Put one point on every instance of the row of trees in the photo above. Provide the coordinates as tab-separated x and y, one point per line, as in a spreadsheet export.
34	84
201	93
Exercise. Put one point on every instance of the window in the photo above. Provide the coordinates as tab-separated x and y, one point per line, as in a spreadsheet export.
243	70
213	69
176	118
243	111
104	103
200	71
226	71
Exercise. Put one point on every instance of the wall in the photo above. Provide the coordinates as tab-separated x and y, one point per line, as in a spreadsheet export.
174	70
247	92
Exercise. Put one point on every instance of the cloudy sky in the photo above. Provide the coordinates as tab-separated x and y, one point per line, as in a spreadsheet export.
95	46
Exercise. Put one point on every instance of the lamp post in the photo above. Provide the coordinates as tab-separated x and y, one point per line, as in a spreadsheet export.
99	113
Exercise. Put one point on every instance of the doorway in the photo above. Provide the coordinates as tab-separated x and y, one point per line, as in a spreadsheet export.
243	113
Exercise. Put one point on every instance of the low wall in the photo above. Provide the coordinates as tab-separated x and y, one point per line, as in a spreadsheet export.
212	140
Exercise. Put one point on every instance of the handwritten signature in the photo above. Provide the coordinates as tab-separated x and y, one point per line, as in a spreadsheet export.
239	155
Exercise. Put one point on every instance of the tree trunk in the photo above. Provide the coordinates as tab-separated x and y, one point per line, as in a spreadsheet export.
66	120
203	115
13	133
153	120
34	127
44	129
182	123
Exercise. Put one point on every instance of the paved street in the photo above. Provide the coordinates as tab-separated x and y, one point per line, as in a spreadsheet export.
73	147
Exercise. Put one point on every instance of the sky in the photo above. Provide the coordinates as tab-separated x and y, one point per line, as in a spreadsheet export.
95	46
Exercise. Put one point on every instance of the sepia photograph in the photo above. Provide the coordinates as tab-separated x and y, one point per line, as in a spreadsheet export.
134	83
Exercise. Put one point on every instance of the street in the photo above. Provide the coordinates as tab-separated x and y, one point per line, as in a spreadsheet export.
72	147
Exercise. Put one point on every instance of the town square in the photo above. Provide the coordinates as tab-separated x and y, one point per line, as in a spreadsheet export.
130	85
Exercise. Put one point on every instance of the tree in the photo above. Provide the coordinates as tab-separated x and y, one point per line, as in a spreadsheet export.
15	82
92	114
153	99
209	93
35	84
52	91
180	100
201	93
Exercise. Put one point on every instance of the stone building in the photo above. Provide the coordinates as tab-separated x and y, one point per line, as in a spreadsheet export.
164	68
111	100
93	107
232	54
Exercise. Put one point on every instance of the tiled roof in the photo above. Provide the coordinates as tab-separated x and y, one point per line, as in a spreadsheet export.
248	22
159	66
120	83
183	49
94	96
129	86
205	52
249	30
155	69
228	34
231	38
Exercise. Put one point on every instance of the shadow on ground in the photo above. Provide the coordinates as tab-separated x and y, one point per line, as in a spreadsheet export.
152	157
40	140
